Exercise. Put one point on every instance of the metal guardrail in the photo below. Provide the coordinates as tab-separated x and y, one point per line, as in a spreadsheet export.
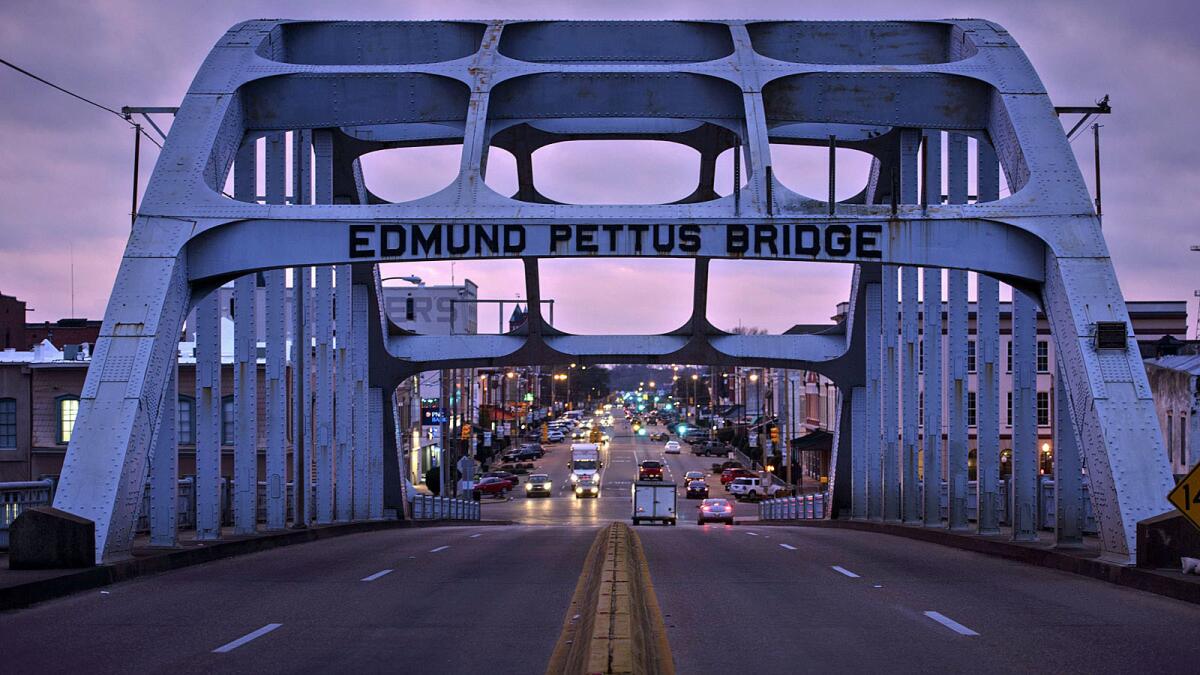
16	497
429	507
815	506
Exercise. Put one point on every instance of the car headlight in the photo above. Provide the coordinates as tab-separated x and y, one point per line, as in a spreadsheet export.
593	490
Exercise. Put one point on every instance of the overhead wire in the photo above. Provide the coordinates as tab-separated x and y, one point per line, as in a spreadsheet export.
85	99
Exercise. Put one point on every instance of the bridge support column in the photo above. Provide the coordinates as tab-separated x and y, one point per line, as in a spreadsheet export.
889	385
164	467
322	141
957	457
1023	486
987	364
274	315
874	431
208	418
859	425
900	466
245	366
343	360
361	426
931	357
910	326
302	442
374	441
1068	475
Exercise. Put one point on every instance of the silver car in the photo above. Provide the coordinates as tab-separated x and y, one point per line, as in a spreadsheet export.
715	510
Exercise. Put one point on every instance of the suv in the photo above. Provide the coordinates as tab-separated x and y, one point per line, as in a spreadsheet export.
745	487
710	448
650	470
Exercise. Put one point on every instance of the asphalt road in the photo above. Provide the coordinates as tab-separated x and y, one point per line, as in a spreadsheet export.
745	598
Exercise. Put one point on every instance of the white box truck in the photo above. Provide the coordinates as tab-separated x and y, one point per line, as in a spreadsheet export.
653	501
585	459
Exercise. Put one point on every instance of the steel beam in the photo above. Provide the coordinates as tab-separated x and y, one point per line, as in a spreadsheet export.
363	450
859	441
164	469
1068	471
987	360
893	466
1023	485
245	366
956	345
323	327
275	319
208	418
874	429
931	357
374	441
343	362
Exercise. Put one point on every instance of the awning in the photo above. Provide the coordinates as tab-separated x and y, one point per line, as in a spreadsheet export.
817	440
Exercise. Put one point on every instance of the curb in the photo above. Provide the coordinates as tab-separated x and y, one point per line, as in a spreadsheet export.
1130	577
25	594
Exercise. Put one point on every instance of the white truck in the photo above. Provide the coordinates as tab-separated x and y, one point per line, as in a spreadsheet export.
752	488
585	460
653	501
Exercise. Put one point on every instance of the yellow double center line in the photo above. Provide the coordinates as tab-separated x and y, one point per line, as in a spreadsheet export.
614	624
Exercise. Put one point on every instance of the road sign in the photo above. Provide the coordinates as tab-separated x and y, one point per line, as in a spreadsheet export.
1186	496
487	439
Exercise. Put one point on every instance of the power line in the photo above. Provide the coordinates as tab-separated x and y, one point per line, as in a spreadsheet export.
85	99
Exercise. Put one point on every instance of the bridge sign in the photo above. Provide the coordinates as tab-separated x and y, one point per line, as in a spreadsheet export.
1186	496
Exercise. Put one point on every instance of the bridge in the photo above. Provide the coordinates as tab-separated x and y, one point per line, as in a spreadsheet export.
953	100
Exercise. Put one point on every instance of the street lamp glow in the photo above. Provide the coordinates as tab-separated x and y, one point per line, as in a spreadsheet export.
754	377
511	374
695	377
651	384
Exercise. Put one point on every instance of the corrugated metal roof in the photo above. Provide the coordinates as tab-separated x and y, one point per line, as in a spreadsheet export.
1186	364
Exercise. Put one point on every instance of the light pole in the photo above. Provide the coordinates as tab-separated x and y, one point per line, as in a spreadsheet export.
695	398
758	407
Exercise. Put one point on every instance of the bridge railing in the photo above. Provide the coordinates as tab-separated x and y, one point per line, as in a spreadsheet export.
812	506
16	497
429	507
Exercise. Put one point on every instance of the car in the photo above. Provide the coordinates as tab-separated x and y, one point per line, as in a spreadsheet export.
554	436
693	475
694	434
538	485
671	448
714	510
731	464
492	485
697	489
587	486
660	436
525	453
506	475
752	488
728	475
650	470
710	448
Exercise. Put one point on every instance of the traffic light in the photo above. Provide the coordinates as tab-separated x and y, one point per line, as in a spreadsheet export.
774	434
466	431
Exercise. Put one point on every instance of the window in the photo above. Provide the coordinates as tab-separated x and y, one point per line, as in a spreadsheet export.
970	408
67	408
185	421
1008	361
970	356
227	428
8	422
921	409
409	309
1183	453
1009	422
920	356
1043	356
1171	438
1043	408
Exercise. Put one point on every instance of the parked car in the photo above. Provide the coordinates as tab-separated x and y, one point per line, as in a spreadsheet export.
506	475
715	510
492	485
731	464
587	486
650	470
697	489
728	475
710	448
525	453
538	485
671	448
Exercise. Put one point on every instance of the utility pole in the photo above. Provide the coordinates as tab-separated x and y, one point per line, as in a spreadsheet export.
1196	293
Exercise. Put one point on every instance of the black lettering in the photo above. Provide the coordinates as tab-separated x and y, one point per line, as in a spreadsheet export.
360	245
458	249
612	231
689	238
765	234
427	242
787	239
485	234
638	231
837	240
514	238
669	244
736	239
585	238
808	239
388	234
559	233
866	241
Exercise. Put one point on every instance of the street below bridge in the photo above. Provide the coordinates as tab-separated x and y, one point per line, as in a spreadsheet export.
487	598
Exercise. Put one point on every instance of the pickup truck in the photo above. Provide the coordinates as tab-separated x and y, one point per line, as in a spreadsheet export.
745	487
710	448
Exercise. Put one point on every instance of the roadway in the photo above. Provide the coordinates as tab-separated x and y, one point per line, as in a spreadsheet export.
746	598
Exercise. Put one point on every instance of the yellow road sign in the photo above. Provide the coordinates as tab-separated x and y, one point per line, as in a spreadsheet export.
1186	496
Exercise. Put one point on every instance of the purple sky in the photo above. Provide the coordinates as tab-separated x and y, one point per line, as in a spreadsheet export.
65	167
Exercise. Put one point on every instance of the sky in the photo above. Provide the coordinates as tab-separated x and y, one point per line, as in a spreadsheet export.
65	167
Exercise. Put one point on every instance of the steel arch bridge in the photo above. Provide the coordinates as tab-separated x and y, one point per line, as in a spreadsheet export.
330	92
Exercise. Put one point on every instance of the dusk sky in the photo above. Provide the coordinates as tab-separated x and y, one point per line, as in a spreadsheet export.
65	167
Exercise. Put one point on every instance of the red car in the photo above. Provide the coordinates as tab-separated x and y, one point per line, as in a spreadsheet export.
650	470
728	475
492	485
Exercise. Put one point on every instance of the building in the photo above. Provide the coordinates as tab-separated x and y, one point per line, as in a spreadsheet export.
17	333
1175	381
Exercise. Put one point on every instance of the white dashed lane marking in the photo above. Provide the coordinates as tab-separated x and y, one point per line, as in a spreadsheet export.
843	570
230	646
375	576
440	548
951	624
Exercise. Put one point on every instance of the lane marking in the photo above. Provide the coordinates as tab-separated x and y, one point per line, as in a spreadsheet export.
951	623
476	535
843	570
375	576
752	534
230	646
440	548
788	547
